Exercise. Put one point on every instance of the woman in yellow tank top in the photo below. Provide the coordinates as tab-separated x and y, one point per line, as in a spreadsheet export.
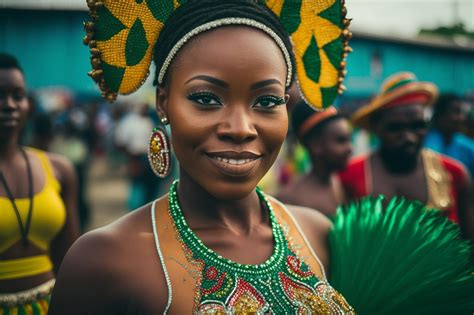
37	205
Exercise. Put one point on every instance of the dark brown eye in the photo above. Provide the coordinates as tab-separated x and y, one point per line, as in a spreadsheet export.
205	98
269	101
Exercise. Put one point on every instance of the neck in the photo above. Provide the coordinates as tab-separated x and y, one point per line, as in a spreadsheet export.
201	209
396	165
8	148
321	172
447	136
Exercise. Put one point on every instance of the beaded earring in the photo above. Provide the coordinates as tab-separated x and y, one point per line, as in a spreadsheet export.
159	151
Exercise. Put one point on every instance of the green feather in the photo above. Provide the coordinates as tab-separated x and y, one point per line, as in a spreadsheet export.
400	259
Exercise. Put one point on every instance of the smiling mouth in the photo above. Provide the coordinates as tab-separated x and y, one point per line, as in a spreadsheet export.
235	164
233	161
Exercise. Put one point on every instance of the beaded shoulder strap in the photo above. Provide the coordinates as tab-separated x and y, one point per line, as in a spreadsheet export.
182	276
297	239
438	181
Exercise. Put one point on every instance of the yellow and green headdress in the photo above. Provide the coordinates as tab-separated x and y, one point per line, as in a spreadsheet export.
123	33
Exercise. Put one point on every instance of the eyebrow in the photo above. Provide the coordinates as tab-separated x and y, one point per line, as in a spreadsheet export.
209	79
265	83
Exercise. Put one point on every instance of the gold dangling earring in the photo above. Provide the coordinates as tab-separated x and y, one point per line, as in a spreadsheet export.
159	151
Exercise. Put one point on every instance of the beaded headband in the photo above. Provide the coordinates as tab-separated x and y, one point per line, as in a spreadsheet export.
221	22
123	33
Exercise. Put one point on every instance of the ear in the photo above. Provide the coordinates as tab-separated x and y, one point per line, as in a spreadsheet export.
315	147
161	102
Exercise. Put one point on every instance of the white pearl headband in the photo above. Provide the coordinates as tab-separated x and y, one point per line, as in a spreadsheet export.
226	21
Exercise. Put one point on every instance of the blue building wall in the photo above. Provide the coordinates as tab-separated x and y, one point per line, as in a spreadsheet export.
49	46
451	69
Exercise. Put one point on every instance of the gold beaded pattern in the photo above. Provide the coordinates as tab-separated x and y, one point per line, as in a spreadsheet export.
122	35
159	153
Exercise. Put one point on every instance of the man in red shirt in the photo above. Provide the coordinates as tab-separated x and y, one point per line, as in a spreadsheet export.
399	166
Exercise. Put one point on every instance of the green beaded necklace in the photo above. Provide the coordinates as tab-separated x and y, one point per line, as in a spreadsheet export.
198	248
283	284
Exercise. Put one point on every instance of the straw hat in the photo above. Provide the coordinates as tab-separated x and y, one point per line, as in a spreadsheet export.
400	89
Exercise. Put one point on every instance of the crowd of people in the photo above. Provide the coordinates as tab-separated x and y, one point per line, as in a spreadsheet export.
242	122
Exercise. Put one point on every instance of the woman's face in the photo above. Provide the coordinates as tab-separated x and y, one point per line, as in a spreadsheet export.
14	104
225	101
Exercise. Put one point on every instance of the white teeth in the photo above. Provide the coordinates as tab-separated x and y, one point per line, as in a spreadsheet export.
233	161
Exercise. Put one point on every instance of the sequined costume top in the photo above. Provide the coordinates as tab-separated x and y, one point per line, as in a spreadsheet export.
291	281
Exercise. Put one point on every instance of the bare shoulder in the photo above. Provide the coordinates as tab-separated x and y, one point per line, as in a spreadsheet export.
290	193
62	167
104	270
316	227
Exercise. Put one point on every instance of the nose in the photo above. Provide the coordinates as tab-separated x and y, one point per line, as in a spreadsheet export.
237	125
349	148
408	136
7	102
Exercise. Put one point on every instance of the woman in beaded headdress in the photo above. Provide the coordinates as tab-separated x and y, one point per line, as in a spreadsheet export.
215	244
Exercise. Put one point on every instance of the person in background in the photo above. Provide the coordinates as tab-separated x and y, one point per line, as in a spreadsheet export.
470	123
131	136
399	166
327	138
38	198
445	136
71	144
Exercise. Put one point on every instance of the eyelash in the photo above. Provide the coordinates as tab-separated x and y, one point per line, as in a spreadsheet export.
277	100
197	97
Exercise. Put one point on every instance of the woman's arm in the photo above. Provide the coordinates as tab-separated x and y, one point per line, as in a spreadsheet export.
88	279
66	175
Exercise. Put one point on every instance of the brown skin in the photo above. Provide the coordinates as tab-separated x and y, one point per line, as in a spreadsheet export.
14	110
397	168
219	202
320	188
452	120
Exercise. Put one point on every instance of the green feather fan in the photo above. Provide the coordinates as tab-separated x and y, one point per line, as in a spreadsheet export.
400	259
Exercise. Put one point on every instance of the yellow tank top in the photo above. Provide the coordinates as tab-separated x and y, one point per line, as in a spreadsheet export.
49	212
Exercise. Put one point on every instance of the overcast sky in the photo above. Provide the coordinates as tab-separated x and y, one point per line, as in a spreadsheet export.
406	17
394	17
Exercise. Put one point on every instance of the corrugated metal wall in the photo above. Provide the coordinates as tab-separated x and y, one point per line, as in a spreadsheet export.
49	46
372	61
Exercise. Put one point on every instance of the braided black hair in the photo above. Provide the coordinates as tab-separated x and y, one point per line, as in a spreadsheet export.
8	62
302	112
195	13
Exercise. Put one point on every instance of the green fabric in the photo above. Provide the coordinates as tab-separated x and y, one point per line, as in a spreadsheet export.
333	14
113	76
312	61
328	95
107	25
290	15
400	259
334	52
36	309
161	9
403	82
137	44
